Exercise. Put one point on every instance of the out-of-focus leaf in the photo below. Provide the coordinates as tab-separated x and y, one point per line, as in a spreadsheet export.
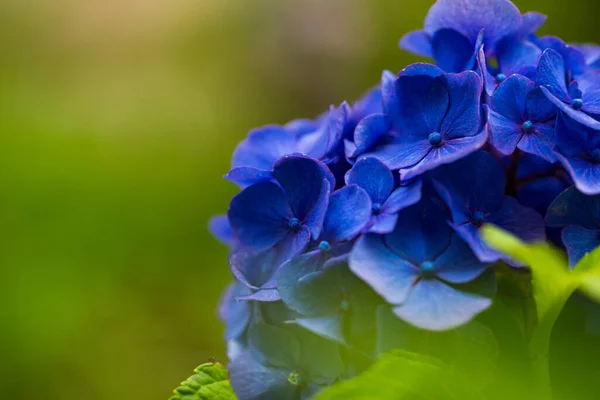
209	382
552	283
403	375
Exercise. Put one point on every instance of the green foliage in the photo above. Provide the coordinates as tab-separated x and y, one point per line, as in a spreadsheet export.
403	375
210	381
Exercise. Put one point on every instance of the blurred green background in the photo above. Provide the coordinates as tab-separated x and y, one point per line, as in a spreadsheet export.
117	122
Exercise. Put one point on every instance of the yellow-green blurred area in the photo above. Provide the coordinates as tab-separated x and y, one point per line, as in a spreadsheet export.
117	122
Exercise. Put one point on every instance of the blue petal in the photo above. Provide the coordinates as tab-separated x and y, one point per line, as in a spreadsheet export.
452	51
511	96
458	264
577	115
551	75
235	314
539	142
302	180
585	174
329	326
572	207
368	133
274	346
292	271
254	269
591	53
572	138
374	177
401	154
470	234
435	306
574	60
449	152
530	22
418	105
418	69
382	223
263	147
327	136
348	214
246	176
540	193
475	183
262	295
590	86
421	234
504	133
523	222
250	380
403	197
388	274
463	116
299	127
417	42
219	227
387	87
489	82
579	241
259	216
499	18
517	53
538	107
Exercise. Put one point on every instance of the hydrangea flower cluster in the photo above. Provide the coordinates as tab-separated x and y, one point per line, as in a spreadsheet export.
374	208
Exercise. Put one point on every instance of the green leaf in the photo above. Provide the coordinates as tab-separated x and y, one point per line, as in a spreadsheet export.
210	382
403	375
552	283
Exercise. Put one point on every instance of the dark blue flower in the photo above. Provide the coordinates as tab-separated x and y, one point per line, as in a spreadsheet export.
377	180
348	214
455	31
580	99
578	150
473	188
290	209
419	269
284	364
579	215
522	117
434	117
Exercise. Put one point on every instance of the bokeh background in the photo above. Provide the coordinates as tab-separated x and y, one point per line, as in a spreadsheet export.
117	122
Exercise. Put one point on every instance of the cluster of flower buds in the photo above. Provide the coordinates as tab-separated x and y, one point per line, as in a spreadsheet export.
372	210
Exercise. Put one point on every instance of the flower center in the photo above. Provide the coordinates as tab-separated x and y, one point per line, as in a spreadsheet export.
435	139
577	104
527	126
294	378
478	217
324	246
294	223
427	268
500	78
377	208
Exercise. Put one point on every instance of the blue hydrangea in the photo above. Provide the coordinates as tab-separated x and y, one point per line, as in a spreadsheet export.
377	204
